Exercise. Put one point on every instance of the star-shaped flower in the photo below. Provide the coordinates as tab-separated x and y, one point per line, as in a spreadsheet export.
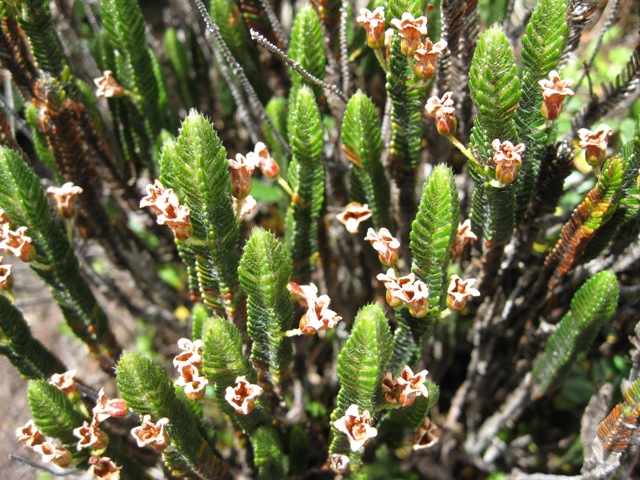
354	214
356	427
242	396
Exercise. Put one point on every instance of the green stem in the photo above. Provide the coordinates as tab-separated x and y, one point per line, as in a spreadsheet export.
381	59
473	162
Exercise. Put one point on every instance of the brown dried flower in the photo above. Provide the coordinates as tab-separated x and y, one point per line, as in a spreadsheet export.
507	160
393	284
242	397
460	292
151	434
107	85
191	353
426	57
464	236
29	434
106	408
104	468
193	382
241	170
595	143
318	316
411	30
385	244
554	92
443	110
407	290
65	198
6	279
302	293
3	217
427	435
354	213
356	427
91	437
405	388
65	382
167	207
266	163
17	243
339	463
248	205
53	453
373	23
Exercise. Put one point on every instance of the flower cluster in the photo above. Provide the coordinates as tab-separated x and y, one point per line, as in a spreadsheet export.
411	31
356	427
385	244
595	144
166	206
405	387
407	290
443	110
507	160
16	242
318	316
263	159
460	292
554	92
242	396
354	213
150	434
189	365
30	436
65	198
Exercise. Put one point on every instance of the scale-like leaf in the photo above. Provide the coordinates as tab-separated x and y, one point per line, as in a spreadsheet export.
265	270
307	47
592	305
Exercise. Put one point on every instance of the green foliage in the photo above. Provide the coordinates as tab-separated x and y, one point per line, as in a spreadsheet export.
35	18
26	353
196	167
592	305
362	363
414	7
307	48
306	180
25	203
147	390
432	232
543	44
495	90
362	138
264	273
178	58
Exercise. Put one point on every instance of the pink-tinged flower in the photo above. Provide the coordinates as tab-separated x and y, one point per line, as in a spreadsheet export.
507	160
106	408
356	427
318	316
411	30
151	434
426	57
302	293
443	110
30	435
354	213
241	170
248	205
426	436
266	163
6	279
65	197
194	384
373	23
104	468
17	243
52	453
107	85
166	205
91	437
394	284
65	382
242	397
460	292
385	244
464	236
554	91
405	388
595	143
339	463
191	353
